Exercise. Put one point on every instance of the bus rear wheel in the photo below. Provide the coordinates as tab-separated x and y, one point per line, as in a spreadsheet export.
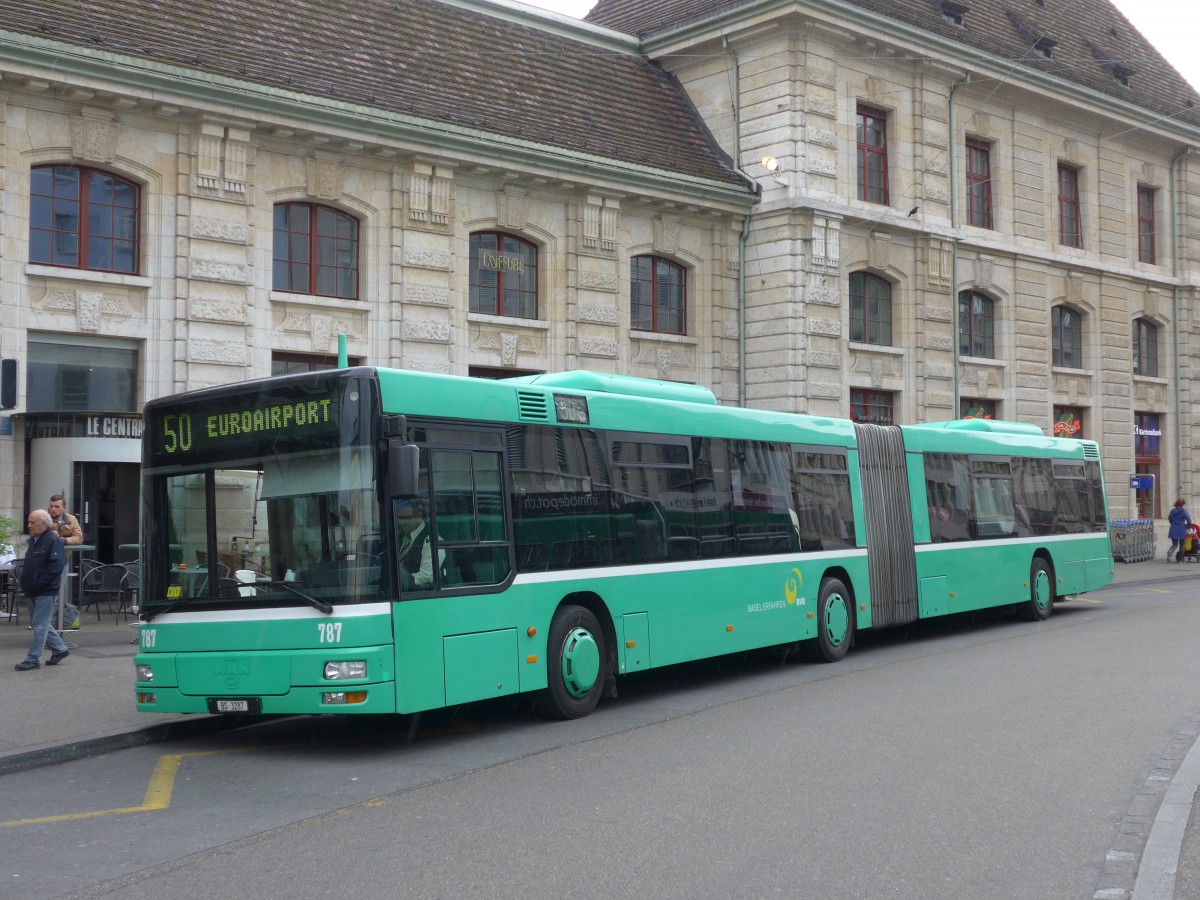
575	661
1041	592
835	621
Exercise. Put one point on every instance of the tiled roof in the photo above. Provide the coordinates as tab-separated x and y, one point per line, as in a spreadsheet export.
1090	37
414	57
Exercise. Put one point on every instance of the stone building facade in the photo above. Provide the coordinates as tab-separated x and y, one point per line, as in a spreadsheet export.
1089	324
729	158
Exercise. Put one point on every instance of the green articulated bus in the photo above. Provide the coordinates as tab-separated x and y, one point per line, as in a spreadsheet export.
368	540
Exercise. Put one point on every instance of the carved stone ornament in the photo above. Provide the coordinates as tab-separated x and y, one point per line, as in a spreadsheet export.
666	234
229	353
94	137
89	307
326	178
512	208
598	281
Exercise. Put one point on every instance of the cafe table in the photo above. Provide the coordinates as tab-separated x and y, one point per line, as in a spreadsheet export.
65	590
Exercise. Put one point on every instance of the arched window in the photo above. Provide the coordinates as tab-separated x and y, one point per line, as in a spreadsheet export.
976	325
316	251
503	275
1145	348
657	295
1066	337
870	309
83	218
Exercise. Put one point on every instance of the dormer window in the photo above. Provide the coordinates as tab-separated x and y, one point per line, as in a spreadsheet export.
1039	42
954	13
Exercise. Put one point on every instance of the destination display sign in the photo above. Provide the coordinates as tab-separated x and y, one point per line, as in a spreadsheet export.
222	424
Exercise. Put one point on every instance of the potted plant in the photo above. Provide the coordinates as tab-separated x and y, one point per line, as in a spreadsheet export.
8	528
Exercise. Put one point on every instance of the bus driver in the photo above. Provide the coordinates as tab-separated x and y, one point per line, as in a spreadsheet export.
416	561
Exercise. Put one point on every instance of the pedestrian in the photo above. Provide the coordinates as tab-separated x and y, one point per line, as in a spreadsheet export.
41	577
63	522
1180	520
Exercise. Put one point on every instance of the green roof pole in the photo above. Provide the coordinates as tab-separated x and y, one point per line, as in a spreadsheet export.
343	357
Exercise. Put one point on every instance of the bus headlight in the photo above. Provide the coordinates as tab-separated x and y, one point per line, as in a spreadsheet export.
346	668
145	673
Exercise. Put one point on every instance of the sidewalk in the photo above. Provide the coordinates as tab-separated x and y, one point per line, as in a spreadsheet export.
83	706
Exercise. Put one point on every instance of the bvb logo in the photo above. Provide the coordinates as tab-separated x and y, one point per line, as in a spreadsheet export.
791	589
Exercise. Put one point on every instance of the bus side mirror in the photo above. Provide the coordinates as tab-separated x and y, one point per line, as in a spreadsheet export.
403	467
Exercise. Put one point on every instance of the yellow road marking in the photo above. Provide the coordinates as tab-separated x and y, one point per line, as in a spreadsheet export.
158	791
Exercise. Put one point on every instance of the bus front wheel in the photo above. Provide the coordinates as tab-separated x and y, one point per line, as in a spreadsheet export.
835	621
1041	591
575	661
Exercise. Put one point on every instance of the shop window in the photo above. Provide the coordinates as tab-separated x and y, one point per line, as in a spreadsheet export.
504	275
67	376
970	408
1068	422
976	325
870	309
296	363
83	218
871	407
657	295
1066	337
316	251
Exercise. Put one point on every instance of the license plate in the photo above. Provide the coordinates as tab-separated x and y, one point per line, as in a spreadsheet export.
235	705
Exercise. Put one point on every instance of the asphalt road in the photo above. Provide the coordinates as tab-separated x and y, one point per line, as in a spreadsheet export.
986	759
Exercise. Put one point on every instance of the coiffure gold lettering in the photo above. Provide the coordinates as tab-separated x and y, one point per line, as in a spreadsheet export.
498	262
270	418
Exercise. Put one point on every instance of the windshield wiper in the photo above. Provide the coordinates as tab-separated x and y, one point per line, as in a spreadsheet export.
147	615
315	602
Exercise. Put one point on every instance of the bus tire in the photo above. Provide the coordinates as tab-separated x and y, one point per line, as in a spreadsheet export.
835	622
575	664
1041	592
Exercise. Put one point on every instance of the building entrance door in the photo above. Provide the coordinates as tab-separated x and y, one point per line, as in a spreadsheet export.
107	497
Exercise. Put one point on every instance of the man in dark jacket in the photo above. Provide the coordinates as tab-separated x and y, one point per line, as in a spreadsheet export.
40	579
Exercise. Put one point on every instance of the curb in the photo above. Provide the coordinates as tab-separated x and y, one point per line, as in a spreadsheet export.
122	740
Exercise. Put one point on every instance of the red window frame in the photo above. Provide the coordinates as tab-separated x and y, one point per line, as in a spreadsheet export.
657	295
69	218
979	183
1070	224
871	133
501	292
315	250
1145	222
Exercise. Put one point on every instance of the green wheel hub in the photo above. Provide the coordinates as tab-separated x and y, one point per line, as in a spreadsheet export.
1041	589
580	662
837	620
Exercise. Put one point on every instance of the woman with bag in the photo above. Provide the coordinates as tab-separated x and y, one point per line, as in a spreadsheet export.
1180	520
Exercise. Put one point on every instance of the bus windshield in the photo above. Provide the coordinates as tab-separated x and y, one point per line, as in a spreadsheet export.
264	497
